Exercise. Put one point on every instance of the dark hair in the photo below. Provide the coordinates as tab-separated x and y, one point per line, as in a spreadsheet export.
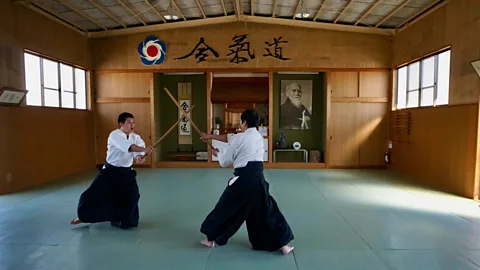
251	116
123	117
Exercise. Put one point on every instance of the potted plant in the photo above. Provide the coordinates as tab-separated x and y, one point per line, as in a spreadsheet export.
261	122
261	128
218	122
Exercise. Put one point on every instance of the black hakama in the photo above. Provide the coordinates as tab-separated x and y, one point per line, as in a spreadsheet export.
248	199
113	196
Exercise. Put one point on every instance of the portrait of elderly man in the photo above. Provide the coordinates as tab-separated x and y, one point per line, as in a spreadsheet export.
293	112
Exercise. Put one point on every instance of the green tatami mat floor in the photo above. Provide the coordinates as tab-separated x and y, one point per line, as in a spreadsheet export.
342	219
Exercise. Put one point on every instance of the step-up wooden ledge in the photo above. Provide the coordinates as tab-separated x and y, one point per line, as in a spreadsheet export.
201	164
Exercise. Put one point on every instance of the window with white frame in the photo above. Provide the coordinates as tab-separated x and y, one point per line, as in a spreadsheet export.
424	82
54	84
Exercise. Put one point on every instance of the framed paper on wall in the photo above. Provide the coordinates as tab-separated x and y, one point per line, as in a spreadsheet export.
476	67
12	96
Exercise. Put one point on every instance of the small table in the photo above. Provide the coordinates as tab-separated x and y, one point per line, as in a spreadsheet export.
305	153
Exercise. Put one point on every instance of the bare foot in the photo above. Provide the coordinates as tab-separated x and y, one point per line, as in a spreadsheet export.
75	221
286	249
207	243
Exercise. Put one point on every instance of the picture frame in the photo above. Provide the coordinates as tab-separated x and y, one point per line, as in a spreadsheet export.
296	98
11	96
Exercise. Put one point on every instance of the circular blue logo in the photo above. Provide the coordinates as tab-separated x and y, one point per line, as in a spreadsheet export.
152	51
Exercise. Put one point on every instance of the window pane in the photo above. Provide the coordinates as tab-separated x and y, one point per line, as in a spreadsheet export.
401	88
51	98
80	88
32	80
67	100
50	74
443	78
412	99
414	76
428	71
427	97
66	74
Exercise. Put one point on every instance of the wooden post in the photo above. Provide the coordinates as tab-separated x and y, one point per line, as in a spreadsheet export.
270	117
209	111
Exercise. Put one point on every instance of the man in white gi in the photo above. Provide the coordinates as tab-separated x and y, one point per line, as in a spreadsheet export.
113	195
246	197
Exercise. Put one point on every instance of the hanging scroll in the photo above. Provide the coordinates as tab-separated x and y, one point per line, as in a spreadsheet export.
185	100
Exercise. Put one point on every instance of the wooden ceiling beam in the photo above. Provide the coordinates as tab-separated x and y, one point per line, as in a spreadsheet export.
320	10
404	3
178	9
131	11
155	10
296	9
274	8
81	13
316	25
165	26
47	12
200	6
428	12
343	10
367	12
243	18
434	3
237	7
104	10
224	8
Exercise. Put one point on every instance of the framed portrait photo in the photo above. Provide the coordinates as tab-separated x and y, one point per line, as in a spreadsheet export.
296	104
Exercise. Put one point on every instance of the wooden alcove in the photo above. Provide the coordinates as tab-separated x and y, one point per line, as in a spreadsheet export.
233	95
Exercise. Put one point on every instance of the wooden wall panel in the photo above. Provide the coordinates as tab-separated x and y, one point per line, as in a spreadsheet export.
322	48
358	118
26	29
344	84
374	84
48	144
123	85
38	133
105	122
119	93
4	145
456	24
253	89
344	145
372	132
441	148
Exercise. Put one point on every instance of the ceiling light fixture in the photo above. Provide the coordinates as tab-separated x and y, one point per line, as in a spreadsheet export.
302	12
170	17
302	15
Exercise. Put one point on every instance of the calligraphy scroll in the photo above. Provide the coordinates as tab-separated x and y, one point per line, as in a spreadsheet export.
184	99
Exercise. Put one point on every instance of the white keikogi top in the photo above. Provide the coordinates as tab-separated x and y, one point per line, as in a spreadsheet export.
118	145
242	148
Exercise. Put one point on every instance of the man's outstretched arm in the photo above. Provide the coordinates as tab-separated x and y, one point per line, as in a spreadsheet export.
222	137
